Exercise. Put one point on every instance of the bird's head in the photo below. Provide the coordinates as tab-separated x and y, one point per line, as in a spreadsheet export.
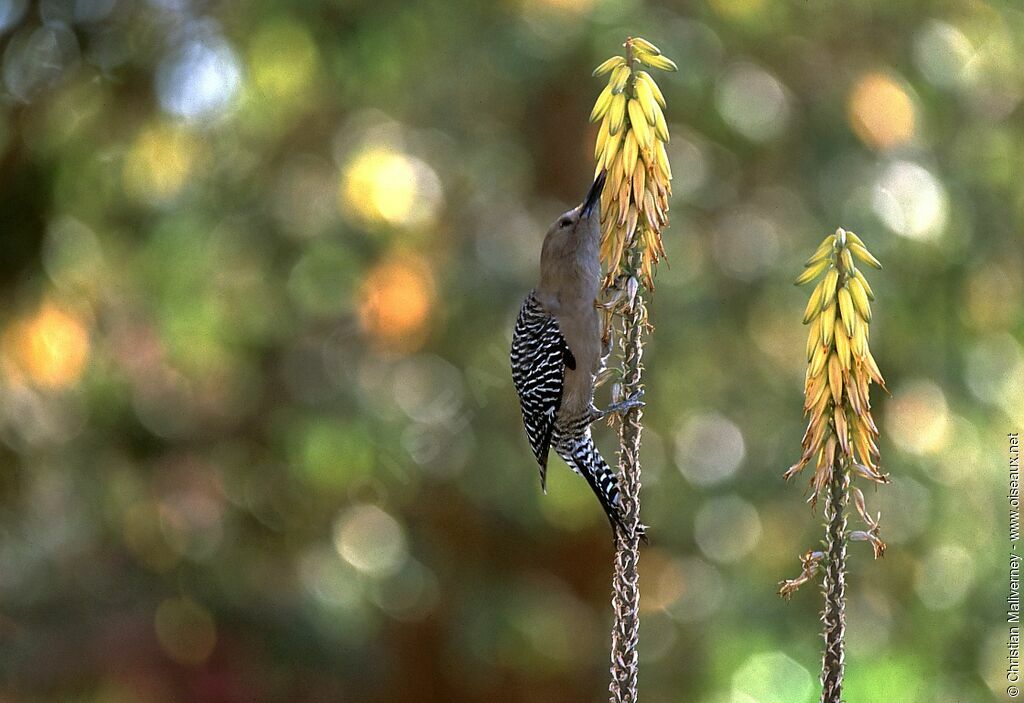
582	223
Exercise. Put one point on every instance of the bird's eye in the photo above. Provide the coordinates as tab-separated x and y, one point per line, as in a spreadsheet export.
564	222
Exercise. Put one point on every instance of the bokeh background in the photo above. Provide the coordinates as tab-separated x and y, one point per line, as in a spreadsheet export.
260	263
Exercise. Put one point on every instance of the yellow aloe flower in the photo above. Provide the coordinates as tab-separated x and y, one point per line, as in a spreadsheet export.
631	147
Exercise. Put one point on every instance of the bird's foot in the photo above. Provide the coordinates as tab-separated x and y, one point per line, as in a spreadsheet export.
620	294
621	407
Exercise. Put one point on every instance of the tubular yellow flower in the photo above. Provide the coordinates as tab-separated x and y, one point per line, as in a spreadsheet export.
631	147
838	313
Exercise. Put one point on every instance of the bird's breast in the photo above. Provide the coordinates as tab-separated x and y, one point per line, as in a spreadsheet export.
582	332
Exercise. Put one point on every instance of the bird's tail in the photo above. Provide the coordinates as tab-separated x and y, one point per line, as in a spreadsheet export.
583	456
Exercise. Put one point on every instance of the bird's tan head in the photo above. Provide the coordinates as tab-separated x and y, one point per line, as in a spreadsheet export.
581	225
571	251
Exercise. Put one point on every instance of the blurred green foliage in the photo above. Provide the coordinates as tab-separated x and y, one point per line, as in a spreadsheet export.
260	264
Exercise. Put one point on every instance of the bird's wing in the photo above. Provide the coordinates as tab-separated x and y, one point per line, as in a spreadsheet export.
539	359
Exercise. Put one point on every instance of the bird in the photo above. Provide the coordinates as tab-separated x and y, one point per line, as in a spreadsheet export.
558	350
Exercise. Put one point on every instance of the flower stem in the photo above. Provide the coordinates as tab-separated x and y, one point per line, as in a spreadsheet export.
625	586
833	616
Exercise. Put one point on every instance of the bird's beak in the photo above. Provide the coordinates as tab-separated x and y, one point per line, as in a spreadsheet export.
594	195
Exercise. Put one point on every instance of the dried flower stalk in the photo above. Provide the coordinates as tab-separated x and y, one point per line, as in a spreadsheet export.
625	580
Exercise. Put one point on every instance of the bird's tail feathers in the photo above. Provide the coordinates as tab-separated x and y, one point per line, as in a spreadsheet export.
584	456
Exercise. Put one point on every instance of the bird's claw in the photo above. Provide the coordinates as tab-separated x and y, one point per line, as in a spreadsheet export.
633	401
622	406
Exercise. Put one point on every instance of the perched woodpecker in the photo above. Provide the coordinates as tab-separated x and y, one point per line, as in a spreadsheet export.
557	352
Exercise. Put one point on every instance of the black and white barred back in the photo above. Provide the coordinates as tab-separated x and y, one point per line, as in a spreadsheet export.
539	359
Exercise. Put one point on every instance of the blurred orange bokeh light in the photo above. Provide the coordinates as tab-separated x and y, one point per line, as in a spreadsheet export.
51	348
881	112
396	299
